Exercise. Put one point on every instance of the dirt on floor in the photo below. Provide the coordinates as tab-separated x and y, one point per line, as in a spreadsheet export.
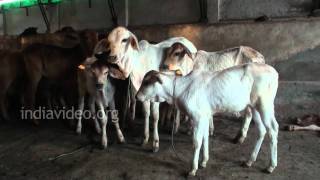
27	152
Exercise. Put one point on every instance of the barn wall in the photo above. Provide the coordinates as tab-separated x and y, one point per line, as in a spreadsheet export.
290	46
277	40
150	12
75	13
147	12
248	9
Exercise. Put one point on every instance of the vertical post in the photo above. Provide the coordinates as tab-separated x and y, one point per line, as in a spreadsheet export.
213	11
59	16
4	21
113	13
127	13
203	11
27	11
90	3
218	11
44	15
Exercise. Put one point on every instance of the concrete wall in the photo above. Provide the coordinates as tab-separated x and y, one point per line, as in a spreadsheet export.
146	12
150	12
248	9
277	40
292	47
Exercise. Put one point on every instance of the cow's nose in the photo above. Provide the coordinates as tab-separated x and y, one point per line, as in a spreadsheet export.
112	58
165	67
99	86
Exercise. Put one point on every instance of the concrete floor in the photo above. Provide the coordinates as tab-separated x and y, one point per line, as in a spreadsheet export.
25	152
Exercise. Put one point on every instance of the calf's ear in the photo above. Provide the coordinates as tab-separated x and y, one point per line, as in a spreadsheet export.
101	55
159	79
134	42
102	46
187	51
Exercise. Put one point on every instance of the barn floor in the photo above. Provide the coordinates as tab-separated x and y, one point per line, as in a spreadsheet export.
25	152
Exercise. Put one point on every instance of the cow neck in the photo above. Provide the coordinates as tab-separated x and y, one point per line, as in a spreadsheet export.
137	73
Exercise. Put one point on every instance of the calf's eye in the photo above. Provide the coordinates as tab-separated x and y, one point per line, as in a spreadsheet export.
125	40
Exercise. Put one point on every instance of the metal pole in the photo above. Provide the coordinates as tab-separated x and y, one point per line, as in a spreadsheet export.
127	13
59	16
90	3
113	13
219	11
4	22
44	15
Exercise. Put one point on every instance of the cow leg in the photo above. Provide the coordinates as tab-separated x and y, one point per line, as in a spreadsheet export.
104	121
205	146
242	134
262	132
115	120
190	126
132	108
211	126
155	115
177	121
272	129
31	94
79	118
146	112
198	135
162	119
92	107
3	107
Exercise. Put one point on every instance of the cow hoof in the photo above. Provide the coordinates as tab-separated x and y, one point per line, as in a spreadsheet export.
104	144
78	131
104	147
192	173
270	169
203	165
248	163
239	139
98	131
122	141
155	149
144	142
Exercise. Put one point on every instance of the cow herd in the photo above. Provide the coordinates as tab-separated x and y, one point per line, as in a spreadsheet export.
73	68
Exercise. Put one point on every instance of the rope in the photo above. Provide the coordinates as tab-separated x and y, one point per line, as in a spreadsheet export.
173	122
69	153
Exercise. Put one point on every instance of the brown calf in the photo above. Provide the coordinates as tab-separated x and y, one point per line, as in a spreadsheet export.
11	70
55	63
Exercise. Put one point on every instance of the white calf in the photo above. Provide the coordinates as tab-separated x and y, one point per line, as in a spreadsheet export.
93	80
178	58
202	94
